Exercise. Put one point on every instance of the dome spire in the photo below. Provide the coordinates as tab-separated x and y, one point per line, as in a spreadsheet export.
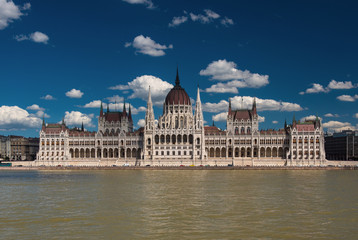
177	81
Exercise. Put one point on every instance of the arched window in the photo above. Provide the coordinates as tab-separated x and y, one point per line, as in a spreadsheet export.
176	122
168	138
181	122
149	141
248	130
156	139
242	130
173	139
198	141
236	130
191	139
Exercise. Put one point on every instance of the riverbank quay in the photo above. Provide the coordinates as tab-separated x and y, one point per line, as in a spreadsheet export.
75	168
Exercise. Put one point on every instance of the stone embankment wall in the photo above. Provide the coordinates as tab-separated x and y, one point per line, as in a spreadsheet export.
178	163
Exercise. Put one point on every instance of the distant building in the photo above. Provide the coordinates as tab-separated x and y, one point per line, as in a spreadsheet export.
342	145
179	137
23	148
5	147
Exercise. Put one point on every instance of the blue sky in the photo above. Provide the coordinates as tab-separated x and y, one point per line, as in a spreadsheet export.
296	57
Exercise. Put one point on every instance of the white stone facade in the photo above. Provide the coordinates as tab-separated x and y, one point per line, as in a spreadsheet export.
179	137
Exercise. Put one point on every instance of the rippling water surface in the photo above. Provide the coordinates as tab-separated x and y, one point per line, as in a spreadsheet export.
177	204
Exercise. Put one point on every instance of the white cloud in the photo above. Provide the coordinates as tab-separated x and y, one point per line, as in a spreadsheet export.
140	85
333	84
274	122
77	118
115	98
337	126
340	85
178	20
221	117
246	102
331	115
37	37
215	107
42	114
227	21
48	97
223	70
347	98
148	3
146	45
207	18
355	115
141	123
16	118
74	93
261	118
9	12
309	118
35	107
114	106
316	88
229	87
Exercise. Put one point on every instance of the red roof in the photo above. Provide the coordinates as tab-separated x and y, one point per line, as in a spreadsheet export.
177	96
305	127
114	116
241	114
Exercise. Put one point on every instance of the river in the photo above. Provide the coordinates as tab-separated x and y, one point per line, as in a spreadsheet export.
179	204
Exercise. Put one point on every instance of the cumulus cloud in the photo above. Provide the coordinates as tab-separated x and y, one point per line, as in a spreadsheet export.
220	117
340	85
9	12
113	106
16	118
316	88
140	86
178	20
223	70
141	123
146	45
309	118
246	102
37	37
48	97
35	107
115	98
147	3
347	98
274	122
355	115
75	118
74	93
333	84
331	115
336	126
42	114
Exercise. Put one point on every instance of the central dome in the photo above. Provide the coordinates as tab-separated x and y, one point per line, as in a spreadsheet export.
177	95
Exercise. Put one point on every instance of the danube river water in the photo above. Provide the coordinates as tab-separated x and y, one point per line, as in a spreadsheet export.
179	204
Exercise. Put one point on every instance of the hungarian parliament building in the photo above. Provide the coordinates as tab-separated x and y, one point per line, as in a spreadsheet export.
179	138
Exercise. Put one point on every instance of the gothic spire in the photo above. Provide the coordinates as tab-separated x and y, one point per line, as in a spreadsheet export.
130	112
198	117
101	111
82	128
124	107
254	106
177	81
229	105
107	107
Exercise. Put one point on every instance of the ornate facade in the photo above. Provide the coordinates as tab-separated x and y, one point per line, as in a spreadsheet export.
179	137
